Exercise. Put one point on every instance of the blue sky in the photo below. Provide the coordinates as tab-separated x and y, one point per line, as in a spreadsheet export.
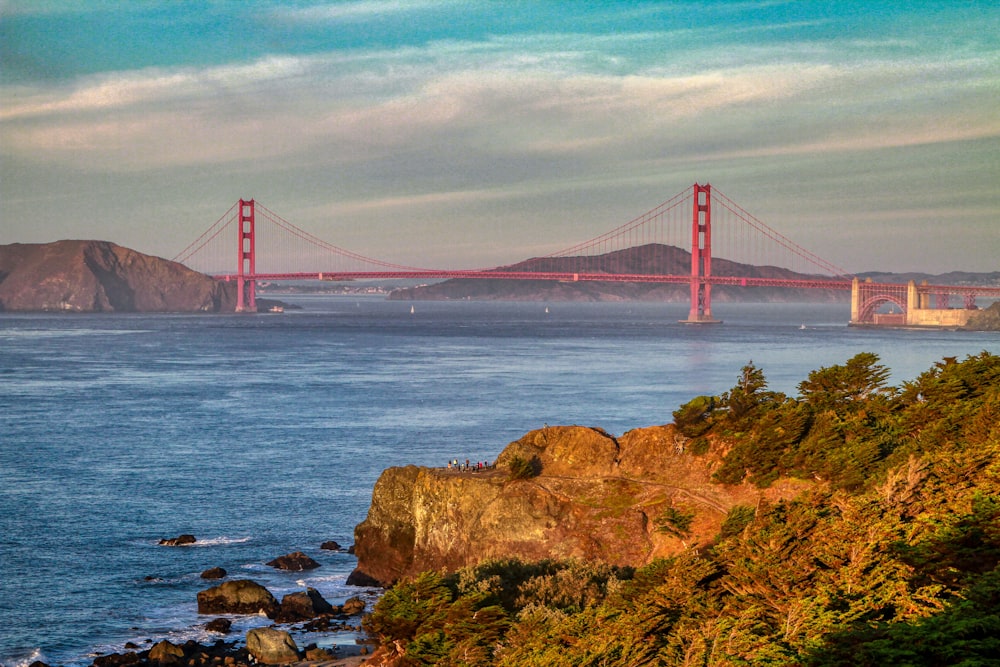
465	134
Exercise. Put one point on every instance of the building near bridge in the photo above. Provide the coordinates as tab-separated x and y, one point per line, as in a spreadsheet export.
914	304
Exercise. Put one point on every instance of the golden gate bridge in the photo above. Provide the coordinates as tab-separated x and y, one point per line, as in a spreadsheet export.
746	253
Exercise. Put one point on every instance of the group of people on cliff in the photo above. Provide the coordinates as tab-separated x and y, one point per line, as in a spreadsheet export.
469	466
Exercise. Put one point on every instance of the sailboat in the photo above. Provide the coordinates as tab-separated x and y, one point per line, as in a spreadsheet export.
411	310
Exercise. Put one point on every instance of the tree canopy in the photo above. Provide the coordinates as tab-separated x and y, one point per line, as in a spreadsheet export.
892	557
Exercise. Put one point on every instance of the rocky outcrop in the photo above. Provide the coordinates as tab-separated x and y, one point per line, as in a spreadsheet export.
294	562
272	647
621	501
987	319
179	541
240	596
302	606
98	276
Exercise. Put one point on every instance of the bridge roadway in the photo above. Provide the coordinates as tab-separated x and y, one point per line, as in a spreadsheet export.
488	274
492	274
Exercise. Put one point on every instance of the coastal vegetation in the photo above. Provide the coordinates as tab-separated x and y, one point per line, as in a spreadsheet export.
890	555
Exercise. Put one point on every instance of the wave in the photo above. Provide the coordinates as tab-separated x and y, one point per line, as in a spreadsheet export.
23	660
65	333
220	541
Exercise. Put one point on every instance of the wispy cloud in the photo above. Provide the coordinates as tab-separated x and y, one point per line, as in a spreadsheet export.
360	10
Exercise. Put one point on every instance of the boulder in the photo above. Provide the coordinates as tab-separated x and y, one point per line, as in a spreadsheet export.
330	545
294	562
214	573
240	596
303	605
178	541
166	653
353	606
219	625
316	654
117	659
271	646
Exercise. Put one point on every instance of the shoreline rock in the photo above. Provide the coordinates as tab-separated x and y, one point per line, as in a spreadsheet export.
240	596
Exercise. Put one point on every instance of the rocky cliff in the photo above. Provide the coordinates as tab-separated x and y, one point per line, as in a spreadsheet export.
987	319
98	276
622	501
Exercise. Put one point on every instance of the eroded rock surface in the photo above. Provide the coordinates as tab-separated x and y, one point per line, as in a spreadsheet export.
240	596
621	501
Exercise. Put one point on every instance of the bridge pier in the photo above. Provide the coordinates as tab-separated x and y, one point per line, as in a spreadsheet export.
246	292
701	257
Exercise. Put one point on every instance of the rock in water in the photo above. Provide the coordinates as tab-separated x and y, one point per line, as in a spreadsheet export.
294	562
272	647
219	625
303	605
178	541
214	573
330	545
240	596
353	606
98	276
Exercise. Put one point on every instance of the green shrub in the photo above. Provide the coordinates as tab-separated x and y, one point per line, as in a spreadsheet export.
522	468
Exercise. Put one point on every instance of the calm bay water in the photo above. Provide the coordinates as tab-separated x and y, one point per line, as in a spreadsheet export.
264	434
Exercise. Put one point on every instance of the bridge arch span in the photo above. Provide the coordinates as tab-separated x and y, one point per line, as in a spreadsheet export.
872	303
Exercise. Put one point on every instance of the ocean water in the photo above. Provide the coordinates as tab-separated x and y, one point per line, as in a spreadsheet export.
263	435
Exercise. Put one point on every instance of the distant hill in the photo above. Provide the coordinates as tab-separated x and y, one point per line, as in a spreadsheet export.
98	276
652	258
950	278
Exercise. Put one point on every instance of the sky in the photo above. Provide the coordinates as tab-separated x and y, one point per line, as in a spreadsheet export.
467	134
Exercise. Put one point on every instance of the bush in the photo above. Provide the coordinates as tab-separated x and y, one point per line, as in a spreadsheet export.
522	468
738	518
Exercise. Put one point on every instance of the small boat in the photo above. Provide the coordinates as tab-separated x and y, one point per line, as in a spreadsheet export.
276	309
546	309
411	310
802	326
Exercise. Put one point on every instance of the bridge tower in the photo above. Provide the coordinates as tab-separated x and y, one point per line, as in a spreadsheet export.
246	280
701	257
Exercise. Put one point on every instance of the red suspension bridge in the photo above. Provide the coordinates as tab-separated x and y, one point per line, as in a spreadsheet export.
646	249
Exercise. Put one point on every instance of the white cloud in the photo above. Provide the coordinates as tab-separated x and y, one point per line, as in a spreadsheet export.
360	10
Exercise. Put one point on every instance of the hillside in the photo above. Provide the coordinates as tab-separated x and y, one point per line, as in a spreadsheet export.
98	276
987	319
647	259
887	554
655	259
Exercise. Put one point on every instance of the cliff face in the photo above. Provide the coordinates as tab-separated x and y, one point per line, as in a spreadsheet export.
97	276
987	319
621	501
